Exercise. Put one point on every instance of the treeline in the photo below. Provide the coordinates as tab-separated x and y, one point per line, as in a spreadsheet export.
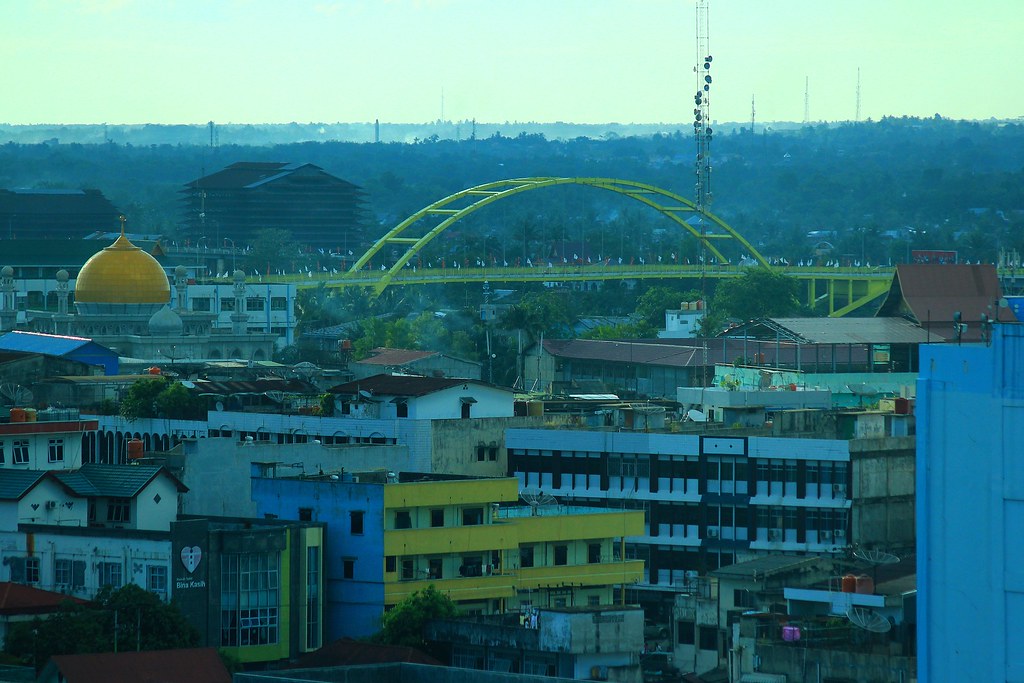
871	190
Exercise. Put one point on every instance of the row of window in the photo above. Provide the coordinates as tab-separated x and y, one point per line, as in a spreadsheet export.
71	573
252	303
20	451
472	516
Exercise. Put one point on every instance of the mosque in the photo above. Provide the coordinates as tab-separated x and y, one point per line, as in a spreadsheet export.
122	300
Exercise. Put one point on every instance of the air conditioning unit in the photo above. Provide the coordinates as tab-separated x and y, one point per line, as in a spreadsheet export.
840	534
712	533
51	505
824	536
775	534
839	490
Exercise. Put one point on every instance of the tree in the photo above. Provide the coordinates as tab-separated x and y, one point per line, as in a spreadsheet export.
140	399
758	293
143	622
403	624
159	397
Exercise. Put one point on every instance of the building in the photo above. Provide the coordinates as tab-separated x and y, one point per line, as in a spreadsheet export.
55	214
932	296
77	349
684	322
235	203
393	534
970	510
253	588
412	362
44	439
582	643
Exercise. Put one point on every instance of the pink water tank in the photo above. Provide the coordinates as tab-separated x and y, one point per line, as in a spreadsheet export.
790	634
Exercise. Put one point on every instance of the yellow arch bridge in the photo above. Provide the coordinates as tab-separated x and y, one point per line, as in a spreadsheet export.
842	289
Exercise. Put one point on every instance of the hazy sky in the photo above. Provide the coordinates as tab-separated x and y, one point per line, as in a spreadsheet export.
584	61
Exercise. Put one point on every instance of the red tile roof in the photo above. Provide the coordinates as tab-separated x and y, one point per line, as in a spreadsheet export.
384	356
195	665
16	598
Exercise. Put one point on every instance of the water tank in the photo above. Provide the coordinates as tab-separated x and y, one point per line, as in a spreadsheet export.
30	414
849	583
135	449
790	634
865	584
17	414
153	370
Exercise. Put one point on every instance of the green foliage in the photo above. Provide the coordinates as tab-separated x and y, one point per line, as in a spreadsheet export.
540	313
143	622
758	293
403	624
652	304
159	397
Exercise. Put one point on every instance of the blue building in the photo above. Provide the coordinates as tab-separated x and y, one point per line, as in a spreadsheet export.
61	346
970	510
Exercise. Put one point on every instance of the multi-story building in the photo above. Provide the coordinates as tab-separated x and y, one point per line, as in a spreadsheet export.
970	510
394	534
44	440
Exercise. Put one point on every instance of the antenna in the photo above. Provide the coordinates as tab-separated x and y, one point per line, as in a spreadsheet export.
868	619
752	112
702	137
694	415
807	99
875	557
275	396
15	395
537	499
857	116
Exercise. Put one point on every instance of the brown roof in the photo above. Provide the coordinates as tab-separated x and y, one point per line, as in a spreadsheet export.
930	294
686	354
346	652
16	598
194	665
400	385
396	356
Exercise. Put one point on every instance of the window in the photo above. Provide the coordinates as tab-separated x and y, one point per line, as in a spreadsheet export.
255	303
407	569
685	632
708	638
472	516
110	574
741	597
401	409
250	589
561	555
593	600
119	510
278	303
355	521
201	303
21	452
481	450
435	566
62	572
348	570
56	452
526	556
156	579
2	460
305	514
390	564
313	630
492	453
437	517
227	304
32	570
593	553
403	520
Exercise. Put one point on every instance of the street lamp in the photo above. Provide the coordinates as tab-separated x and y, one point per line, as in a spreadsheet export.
228	239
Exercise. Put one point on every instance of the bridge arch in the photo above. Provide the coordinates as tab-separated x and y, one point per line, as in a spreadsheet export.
668	203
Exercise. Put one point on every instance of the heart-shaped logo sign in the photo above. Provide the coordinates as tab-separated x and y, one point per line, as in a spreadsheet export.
190	557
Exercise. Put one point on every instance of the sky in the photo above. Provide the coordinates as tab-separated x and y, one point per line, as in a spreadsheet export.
579	61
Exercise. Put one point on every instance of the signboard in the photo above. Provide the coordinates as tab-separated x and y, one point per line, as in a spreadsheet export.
933	256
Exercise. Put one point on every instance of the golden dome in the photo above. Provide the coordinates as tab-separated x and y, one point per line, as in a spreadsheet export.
122	273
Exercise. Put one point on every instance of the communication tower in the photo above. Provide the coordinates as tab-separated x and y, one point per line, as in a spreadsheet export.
807	99
702	136
857	118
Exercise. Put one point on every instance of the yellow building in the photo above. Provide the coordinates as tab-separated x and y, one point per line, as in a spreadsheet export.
458	536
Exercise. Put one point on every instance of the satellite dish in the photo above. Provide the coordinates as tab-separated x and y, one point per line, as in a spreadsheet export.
275	396
875	556
219	406
15	394
187	384
868	619
862	389
695	415
536	499
365	394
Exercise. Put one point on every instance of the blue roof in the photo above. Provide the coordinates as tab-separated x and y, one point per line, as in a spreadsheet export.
46	344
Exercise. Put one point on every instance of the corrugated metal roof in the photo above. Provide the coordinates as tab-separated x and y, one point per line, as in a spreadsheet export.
765	566
400	385
382	356
46	344
854	330
115	481
16	483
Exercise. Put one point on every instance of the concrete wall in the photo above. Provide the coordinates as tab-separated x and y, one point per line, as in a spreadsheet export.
883	492
803	664
455	442
393	673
